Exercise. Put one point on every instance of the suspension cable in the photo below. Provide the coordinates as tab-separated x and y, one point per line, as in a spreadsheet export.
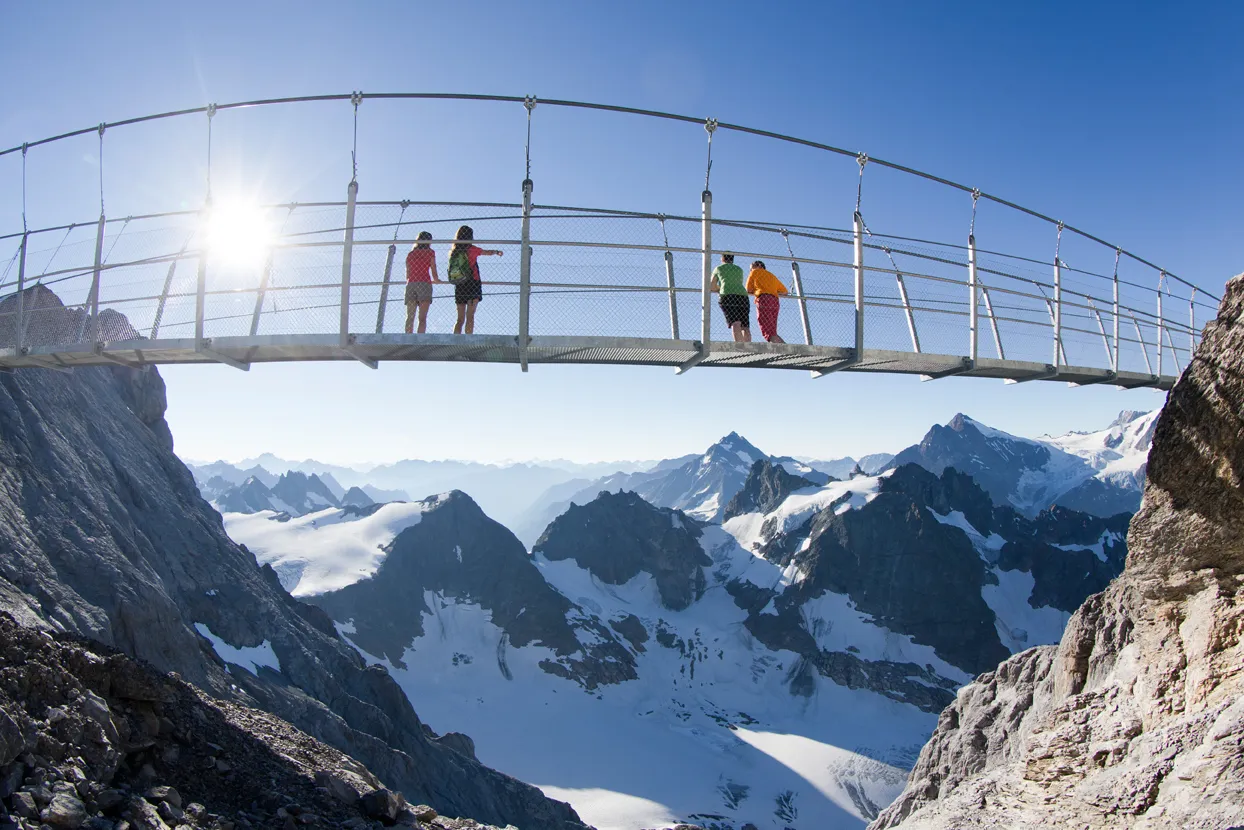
710	126
889	254
786	237
68	231
211	113
529	103
862	159
117	238
101	169
24	226
398	227
356	98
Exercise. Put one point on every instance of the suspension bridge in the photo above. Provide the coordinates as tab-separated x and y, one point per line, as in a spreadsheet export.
319	281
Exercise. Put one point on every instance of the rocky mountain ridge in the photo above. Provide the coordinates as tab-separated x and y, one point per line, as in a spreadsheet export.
90	738
1136	718
103	534
1097	472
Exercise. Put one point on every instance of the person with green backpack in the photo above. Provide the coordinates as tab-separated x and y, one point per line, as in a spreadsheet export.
464	274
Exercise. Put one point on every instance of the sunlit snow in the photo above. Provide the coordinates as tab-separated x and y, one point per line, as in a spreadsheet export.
322	551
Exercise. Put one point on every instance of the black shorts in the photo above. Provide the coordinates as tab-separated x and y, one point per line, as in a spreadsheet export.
467	290
737	308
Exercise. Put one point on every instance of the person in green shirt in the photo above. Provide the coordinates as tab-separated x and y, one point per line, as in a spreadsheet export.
735	304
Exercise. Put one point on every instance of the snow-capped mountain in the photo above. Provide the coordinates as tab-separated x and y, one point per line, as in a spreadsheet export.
841	468
779	669
293	493
700	485
1100	473
1118	455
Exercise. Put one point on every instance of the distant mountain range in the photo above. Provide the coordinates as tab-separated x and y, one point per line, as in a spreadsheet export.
821	627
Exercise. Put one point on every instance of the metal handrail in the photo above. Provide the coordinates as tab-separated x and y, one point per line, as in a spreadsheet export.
358	97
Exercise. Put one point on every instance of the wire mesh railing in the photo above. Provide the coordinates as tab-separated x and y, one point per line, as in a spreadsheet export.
607	275
201	284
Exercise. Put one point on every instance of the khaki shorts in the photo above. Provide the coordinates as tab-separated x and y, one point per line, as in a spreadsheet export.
418	292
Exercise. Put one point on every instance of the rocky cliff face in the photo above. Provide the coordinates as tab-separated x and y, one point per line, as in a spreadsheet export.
90	738
457	552
618	535
766	487
1136	719
103	534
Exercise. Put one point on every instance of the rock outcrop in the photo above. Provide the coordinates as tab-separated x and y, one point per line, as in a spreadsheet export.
457	552
1136	719
103	534
617	536
90	738
766	487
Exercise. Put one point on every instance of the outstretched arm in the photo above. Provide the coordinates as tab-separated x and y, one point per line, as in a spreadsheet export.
491	252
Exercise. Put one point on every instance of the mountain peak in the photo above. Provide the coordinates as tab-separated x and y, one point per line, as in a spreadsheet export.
737	444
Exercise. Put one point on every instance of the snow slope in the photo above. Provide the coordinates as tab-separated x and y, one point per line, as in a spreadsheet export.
325	550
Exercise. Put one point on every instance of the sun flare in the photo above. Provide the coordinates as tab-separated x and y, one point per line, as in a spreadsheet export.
238	234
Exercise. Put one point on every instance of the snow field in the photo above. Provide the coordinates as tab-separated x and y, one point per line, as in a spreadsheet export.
326	550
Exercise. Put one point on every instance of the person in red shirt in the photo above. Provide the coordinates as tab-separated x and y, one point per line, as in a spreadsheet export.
464	274
420	274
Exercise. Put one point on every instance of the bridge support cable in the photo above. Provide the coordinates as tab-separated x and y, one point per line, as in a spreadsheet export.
388	271
797	283
524	278
669	279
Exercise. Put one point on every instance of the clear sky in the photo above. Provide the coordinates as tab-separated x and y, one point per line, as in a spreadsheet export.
1120	118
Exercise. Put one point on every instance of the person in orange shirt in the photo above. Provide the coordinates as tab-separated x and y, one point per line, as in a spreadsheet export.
766	288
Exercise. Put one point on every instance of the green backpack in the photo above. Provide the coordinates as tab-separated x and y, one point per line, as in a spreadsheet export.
460	266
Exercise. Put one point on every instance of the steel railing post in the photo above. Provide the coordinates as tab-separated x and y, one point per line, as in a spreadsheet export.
524	279
669	278
19	323
200	292
1058	311
1144	350
347	262
200	300
1192	325
1161	279
261	293
706	288
907	311
384	289
859	287
797	283
1114	364
973	303
993	322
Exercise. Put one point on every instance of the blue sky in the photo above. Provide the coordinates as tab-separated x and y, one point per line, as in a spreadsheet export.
1120	118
